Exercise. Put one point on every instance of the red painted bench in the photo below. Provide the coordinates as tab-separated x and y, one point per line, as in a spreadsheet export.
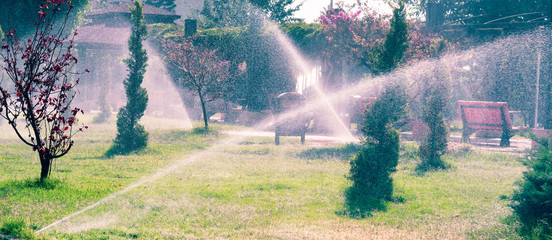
478	115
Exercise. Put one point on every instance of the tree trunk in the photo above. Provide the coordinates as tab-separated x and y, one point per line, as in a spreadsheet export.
203	109
45	161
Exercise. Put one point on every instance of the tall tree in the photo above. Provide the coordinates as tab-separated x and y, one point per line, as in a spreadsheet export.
280	11
168	5
224	13
228	13
483	11
39	88
131	135
396	41
204	72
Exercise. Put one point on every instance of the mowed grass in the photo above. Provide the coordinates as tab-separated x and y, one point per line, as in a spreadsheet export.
84	175
250	189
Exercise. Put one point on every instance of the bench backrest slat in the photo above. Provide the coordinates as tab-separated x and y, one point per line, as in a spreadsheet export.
288	101
485	115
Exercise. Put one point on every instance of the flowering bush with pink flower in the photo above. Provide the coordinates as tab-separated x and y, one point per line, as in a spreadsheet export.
357	33
349	32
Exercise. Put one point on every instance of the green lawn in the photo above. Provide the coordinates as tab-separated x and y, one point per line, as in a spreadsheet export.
188	185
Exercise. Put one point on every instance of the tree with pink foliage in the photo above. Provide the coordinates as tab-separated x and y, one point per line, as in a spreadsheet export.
359	33
351	30
204	72
350	34
423	44
37	88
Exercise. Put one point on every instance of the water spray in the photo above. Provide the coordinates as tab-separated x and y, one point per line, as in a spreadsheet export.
159	174
537	89
305	68
361	87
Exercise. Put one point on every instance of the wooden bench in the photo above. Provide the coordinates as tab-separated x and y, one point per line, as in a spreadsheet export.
294	124
478	115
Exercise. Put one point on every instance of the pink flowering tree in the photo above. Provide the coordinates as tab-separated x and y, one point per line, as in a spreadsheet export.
350	34
358	34
203	71
37	88
423	44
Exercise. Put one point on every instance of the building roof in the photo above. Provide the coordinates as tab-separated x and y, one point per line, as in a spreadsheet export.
110	27
102	36
120	11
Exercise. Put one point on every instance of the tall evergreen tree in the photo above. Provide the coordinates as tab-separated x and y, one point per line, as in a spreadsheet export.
396	42
131	135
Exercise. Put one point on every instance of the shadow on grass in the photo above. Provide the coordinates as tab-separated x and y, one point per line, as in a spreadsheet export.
47	184
423	168
115	150
104	234
97	157
166	137
202	131
345	152
359	204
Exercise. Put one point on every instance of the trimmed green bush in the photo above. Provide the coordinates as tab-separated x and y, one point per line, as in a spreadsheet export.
372	167
532	202
435	145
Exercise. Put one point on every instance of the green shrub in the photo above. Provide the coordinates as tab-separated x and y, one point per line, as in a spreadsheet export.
435	144
532	202
130	136
16	229
372	167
